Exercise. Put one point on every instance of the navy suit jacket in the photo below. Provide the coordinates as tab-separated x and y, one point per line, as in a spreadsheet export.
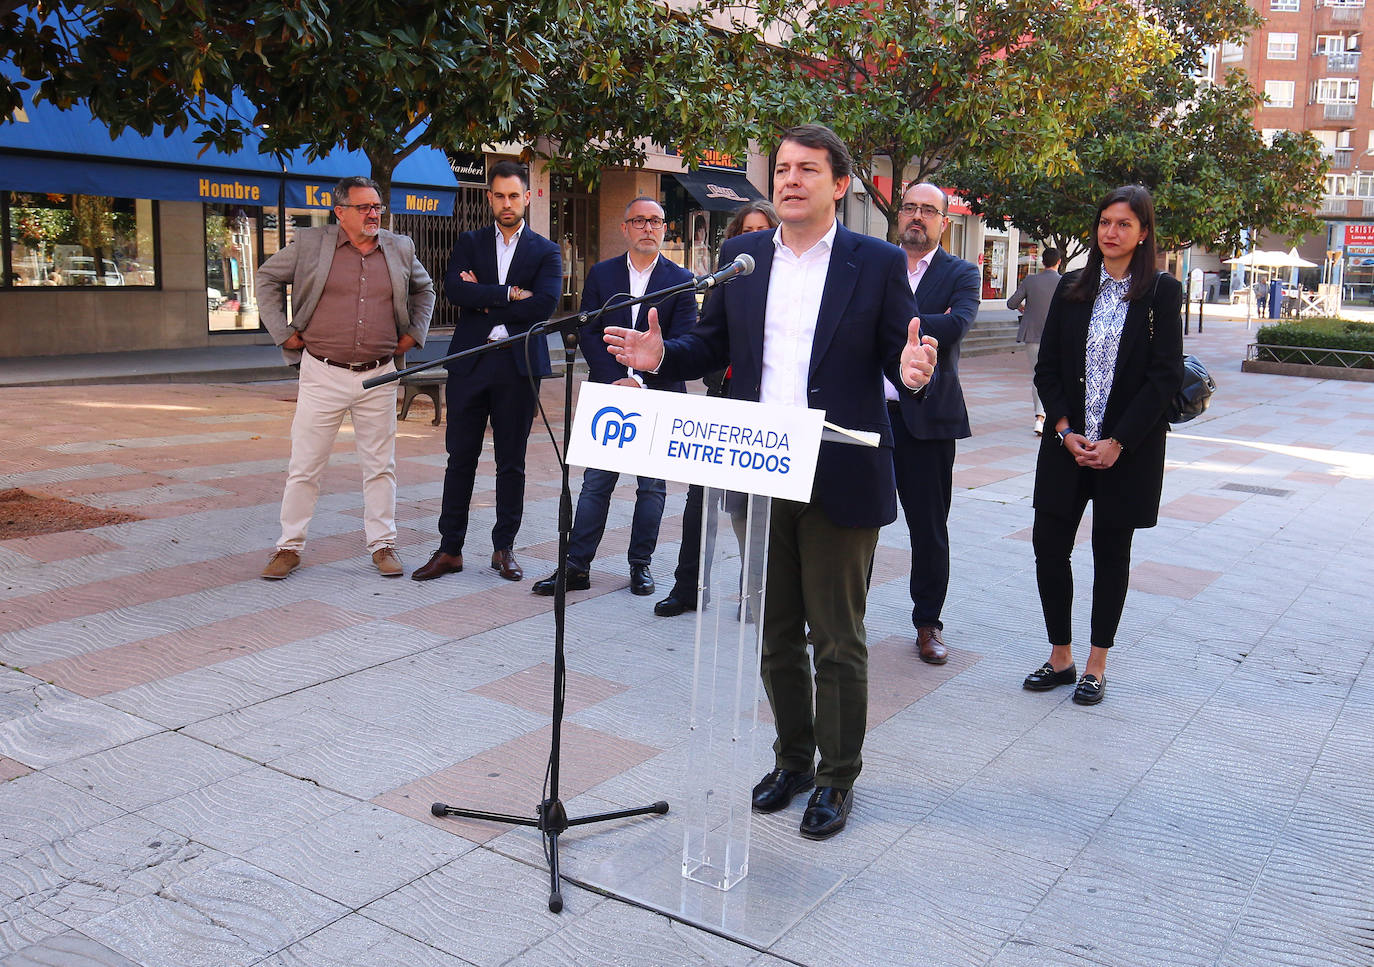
610	279
865	308
537	265
949	294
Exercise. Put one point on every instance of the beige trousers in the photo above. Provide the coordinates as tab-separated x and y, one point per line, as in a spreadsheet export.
325	394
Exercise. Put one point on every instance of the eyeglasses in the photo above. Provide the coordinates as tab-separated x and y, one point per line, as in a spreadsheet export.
641	223
368	209
925	211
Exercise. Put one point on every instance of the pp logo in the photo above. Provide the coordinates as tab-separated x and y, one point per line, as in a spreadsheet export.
617	427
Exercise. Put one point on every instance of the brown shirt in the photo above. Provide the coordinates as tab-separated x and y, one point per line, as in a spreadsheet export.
354	321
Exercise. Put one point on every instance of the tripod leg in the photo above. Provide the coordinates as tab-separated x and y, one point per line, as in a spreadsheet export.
555	885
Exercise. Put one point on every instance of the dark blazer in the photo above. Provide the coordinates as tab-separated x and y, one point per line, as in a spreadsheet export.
1149	371
953	286
860	332
676	314
537	265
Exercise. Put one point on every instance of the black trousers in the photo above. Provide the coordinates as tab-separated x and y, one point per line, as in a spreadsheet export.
1052	537
925	486
495	392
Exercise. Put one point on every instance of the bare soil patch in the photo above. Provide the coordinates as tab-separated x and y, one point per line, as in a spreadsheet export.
23	514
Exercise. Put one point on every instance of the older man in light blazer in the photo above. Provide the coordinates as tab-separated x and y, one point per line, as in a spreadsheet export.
1035	293
359	296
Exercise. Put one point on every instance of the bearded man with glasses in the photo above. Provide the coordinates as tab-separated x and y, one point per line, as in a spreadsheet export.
359	297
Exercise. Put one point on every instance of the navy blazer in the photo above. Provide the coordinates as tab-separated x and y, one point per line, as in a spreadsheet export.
610	279
536	265
861	330
1148	373
954	287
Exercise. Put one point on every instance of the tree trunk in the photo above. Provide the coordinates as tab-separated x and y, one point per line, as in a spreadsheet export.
383	166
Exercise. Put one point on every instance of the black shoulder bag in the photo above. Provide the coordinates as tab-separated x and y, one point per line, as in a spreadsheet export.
1194	396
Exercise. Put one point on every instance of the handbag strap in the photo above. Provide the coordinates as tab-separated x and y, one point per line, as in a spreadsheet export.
1153	289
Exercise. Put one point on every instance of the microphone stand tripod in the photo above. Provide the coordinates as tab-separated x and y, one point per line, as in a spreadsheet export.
550	817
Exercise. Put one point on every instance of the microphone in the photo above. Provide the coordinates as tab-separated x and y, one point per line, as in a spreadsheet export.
742	265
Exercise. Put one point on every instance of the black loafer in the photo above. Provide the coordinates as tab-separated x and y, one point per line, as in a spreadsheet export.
827	812
1090	690
1045	677
577	581
641	581
672	606
776	789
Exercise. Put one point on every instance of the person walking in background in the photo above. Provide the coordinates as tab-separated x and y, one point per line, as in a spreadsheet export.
640	270
1035	293
823	317
923	431
504	278
1111	359
359	296
757	216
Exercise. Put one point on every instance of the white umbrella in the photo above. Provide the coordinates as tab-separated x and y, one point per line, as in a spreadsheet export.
1297	261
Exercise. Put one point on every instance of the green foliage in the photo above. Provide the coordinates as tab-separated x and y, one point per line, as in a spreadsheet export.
1317	334
1011	83
1195	146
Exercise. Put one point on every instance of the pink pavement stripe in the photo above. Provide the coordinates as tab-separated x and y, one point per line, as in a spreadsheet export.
107	594
897	677
890	563
62	546
1237	456
983	455
529	689
1329	479
1084	533
9	769
1197	507
508	778
982	476
152	659
1250	431
1170	580
490	608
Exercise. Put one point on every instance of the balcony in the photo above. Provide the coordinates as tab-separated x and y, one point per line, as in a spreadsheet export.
1339	112
1343	62
1332	205
1341	158
1368	207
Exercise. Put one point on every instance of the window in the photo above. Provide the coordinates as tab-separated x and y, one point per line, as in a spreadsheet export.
1330	43
1283	46
1207	66
1337	184
239	238
1336	90
78	240
1364	186
1231	52
1284	6
1269	134
1280	93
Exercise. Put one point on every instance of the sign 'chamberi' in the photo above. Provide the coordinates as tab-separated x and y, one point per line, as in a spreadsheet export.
755	448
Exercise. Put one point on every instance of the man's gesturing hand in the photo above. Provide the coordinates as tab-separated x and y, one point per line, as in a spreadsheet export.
635	349
918	356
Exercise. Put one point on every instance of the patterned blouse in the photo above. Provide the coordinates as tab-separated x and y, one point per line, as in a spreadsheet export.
1104	341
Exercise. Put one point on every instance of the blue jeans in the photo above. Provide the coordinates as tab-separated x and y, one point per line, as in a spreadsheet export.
593	503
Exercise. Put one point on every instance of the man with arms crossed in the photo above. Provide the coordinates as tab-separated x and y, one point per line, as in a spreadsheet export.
639	270
820	320
505	278
924	431
359	296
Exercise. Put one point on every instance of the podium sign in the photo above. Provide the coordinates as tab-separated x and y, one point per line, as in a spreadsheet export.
756	448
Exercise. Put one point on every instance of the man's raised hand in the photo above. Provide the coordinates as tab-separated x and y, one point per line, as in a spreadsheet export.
637	350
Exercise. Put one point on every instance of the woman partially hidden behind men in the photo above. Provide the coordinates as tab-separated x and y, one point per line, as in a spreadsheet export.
1111	359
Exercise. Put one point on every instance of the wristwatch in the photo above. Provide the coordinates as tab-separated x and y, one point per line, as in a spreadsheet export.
1063	435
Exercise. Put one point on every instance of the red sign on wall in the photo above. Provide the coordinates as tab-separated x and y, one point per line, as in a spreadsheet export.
1359	234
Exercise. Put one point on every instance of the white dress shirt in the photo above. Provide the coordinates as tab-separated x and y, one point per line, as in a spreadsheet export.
505	251
795	286
639	284
913	279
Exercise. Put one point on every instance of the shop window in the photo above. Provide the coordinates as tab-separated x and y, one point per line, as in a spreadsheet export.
994	267
78	240
239	238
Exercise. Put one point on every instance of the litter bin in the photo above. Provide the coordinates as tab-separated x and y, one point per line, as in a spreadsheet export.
1275	298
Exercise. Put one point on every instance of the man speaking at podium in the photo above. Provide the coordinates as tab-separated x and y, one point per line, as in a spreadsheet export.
826	314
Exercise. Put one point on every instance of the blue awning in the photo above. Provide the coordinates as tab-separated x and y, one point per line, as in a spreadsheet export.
70	152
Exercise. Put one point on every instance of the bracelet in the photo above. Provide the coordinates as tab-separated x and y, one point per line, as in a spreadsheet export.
1120	447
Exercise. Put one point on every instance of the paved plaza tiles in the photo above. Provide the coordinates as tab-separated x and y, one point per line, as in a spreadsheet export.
198	767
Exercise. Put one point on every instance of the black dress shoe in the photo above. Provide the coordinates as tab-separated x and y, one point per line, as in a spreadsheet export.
1090	690
672	606
437	566
577	581
1045	677
826	812
641	581
504	564
776	789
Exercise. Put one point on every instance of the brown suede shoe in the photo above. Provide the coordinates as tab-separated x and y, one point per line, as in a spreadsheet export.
388	564
437	566
931	646
280	564
504	564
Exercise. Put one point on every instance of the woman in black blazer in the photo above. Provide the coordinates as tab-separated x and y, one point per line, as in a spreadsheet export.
1111	359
